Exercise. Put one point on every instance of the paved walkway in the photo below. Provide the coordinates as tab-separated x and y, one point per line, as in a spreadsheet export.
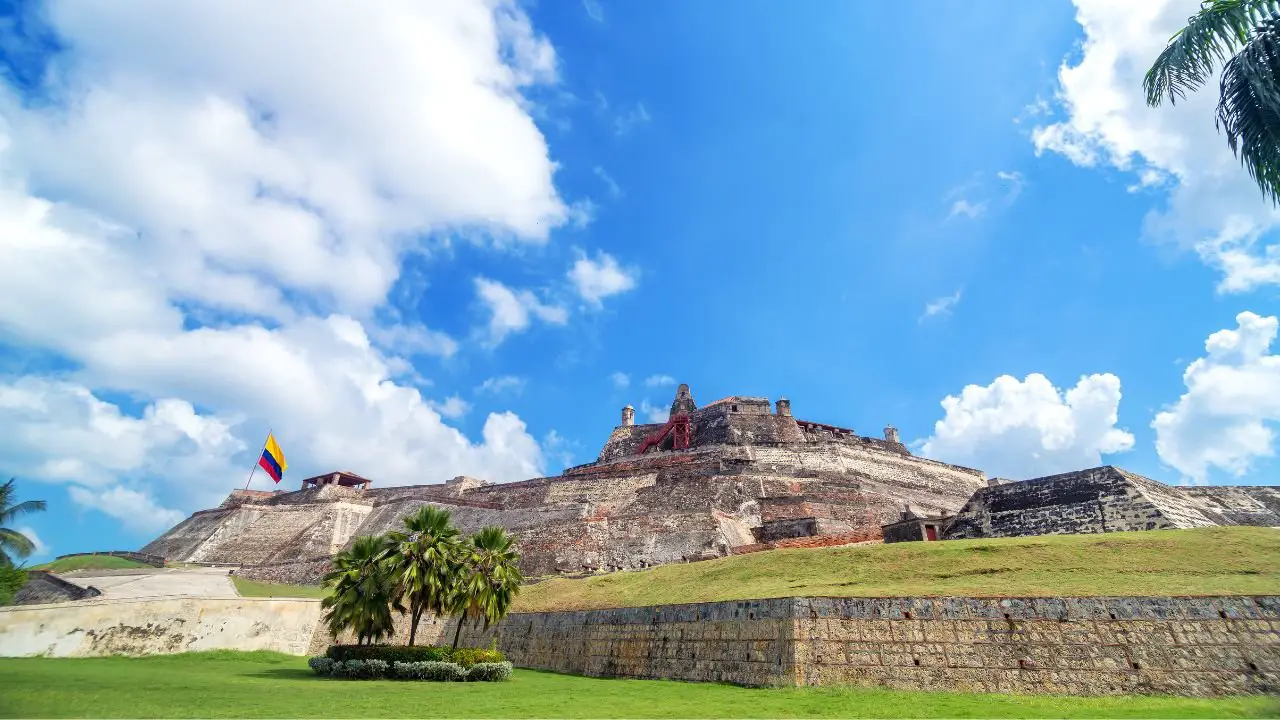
167	582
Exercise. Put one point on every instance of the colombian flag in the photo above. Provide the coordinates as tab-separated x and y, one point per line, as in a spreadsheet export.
272	459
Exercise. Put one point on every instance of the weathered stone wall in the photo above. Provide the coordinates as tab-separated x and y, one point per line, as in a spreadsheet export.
1073	646
144	627
904	531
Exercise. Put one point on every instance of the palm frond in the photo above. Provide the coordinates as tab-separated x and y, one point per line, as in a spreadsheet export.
1249	107
14	546
1211	35
9	514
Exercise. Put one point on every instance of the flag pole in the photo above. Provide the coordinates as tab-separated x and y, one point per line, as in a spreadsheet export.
255	462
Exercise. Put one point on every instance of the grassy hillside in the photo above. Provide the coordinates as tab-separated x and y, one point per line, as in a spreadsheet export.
267	685
90	562
1236	561
253	588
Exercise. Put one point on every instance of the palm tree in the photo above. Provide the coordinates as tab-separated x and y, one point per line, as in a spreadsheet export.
363	592
13	544
424	562
491	579
1244	35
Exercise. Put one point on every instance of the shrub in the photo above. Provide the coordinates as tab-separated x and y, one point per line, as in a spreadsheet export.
321	665
489	672
466	657
360	669
389	653
351	669
430	670
11	579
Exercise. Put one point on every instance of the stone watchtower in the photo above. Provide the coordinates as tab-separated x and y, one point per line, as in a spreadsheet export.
684	401
628	416
783	407
891	435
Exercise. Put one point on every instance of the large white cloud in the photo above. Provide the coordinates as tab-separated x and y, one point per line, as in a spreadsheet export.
205	207
59	431
1029	428
1225	418
1175	152
304	141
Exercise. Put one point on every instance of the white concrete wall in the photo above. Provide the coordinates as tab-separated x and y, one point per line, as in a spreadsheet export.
158	626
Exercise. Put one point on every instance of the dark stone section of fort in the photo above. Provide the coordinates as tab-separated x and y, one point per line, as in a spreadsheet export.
1107	499
44	587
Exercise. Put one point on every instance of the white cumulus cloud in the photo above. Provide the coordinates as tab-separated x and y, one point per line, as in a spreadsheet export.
654	414
453	407
1225	419
512	311
1212	207
597	279
1023	429
620	380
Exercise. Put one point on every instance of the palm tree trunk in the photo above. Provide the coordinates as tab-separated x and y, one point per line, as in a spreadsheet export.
413	624
458	633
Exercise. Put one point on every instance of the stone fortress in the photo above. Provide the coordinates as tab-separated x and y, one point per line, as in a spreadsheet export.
736	475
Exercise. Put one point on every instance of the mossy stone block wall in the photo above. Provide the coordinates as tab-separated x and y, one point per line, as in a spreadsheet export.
1206	646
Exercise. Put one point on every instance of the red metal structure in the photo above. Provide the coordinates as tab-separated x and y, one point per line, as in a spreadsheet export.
677	427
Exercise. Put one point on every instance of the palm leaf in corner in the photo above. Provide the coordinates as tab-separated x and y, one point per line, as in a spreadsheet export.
13	544
1244	37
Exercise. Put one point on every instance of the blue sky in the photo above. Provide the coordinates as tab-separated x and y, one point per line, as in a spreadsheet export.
416	252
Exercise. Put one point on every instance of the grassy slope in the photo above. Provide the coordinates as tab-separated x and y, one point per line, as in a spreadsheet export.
267	685
1172	562
253	588
90	562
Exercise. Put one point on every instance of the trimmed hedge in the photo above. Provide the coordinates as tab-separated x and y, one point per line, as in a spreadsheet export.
466	657
430	670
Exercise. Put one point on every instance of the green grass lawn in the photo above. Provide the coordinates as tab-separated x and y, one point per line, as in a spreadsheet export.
253	588
90	562
1210	561
268	685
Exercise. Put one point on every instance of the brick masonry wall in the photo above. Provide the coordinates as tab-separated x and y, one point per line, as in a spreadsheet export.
1207	646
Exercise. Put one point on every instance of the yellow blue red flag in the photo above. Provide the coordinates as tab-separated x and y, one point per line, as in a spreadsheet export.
272	459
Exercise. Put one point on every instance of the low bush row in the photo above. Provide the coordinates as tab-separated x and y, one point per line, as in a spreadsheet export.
432	670
466	657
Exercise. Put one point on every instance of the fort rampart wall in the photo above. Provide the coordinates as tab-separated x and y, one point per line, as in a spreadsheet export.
1196	646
